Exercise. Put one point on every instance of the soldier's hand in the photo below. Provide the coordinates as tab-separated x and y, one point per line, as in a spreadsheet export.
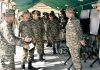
27	39
82	42
26	46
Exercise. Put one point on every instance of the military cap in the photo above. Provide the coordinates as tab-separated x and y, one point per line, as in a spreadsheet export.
70	9
36	12
25	12
45	13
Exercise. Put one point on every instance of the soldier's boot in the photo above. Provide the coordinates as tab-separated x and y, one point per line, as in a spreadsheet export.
43	53
23	66
54	50
30	67
49	45
33	60
41	58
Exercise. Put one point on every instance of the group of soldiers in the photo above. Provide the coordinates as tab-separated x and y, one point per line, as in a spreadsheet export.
32	28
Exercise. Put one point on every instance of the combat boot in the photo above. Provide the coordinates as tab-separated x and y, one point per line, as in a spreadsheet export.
54	50
23	66
30	67
41	58
33	60
49	45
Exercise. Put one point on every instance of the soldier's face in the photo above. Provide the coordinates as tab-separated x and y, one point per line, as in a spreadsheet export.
98	8
35	16
21	18
26	17
51	18
69	14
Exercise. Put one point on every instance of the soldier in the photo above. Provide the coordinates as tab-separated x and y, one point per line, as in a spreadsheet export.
63	20
38	29
8	41
45	20
25	30
74	37
53	31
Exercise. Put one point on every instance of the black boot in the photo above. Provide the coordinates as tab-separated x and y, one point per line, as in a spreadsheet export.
41	58
43	53
33	60
30	67
23	66
54	50
49	45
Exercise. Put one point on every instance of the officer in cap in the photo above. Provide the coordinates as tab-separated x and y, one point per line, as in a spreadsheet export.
8	41
74	37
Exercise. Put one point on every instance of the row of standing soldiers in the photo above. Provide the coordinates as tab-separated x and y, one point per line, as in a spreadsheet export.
36	28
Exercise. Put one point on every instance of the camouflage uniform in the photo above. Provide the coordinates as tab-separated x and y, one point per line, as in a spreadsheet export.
25	30
53	32
38	29
45	35
73	38
45	27
7	46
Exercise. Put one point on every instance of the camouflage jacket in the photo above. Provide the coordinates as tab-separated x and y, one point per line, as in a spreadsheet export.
8	40
25	29
73	31
38	29
53	29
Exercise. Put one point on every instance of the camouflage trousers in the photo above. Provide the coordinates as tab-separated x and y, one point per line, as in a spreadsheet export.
7	62
75	55
55	42
40	48
62	35
27	54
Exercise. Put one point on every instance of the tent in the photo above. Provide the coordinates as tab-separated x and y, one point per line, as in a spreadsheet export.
57	4
43	8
